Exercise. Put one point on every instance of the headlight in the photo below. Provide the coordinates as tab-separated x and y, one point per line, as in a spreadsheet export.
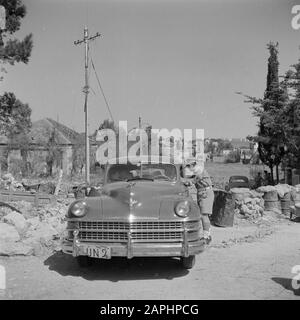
78	209
182	209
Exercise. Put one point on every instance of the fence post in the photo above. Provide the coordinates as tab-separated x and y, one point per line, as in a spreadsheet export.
9	194
36	200
59	182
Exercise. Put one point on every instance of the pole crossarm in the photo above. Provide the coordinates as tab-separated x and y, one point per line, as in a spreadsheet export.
87	39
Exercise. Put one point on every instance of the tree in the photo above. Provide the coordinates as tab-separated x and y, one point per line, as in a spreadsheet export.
78	156
54	152
266	148
14	115
21	142
216	146
15	123
233	157
108	124
223	145
14	50
271	111
292	82
209	147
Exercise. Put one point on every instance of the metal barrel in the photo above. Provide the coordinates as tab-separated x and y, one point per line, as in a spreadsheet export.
223	209
272	204
272	201
297	210
295	197
286	204
271	195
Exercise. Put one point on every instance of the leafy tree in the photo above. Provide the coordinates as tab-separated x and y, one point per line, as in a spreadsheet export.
210	147
108	124
233	157
223	145
14	115
54	152
14	50
15	123
21	142
78	156
216	146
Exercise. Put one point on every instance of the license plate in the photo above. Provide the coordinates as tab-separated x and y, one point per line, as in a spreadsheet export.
98	252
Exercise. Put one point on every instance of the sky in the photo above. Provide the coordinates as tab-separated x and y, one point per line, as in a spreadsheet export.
174	63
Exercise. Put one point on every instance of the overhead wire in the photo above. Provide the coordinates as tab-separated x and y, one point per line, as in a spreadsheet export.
102	91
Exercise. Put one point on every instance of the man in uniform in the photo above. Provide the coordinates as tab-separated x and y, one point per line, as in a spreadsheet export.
205	194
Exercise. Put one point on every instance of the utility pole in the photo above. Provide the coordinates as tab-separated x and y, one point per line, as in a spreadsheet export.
140	133
86	40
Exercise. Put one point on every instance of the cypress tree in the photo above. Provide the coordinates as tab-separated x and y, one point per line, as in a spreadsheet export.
271	111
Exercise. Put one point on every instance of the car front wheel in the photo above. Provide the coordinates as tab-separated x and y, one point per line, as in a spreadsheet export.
84	261
188	262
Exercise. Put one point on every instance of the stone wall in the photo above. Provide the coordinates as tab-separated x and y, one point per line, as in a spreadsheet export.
37	160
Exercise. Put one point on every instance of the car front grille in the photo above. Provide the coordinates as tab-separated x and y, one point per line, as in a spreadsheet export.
159	236
145	231
102	236
127	226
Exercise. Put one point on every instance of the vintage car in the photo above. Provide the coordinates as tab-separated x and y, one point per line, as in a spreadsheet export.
143	210
238	182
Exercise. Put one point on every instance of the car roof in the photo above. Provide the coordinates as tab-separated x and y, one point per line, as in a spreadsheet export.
238	177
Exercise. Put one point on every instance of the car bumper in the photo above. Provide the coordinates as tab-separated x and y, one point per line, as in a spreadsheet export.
77	248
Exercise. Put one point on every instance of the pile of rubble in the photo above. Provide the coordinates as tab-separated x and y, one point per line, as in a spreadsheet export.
282	190
295	196
27	230
8	182
248	203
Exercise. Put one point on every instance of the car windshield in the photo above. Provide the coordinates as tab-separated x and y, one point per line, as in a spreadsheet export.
127	172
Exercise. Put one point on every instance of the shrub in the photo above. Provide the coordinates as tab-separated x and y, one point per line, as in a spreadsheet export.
233	157
17	167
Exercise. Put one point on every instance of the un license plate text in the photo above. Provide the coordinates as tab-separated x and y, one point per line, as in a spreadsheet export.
98	252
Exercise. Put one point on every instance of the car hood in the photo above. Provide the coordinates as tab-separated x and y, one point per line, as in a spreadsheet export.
136	199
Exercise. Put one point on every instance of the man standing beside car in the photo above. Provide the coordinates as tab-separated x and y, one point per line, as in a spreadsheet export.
205	193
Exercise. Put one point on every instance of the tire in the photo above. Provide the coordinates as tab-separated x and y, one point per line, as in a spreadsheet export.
188	262
84	261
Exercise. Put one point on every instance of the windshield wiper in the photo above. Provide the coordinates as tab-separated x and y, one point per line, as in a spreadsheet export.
139	178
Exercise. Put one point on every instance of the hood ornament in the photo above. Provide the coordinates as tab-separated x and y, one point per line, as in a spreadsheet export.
131	184
132	203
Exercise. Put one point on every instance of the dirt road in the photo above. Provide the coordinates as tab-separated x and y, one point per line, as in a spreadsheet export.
255	270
